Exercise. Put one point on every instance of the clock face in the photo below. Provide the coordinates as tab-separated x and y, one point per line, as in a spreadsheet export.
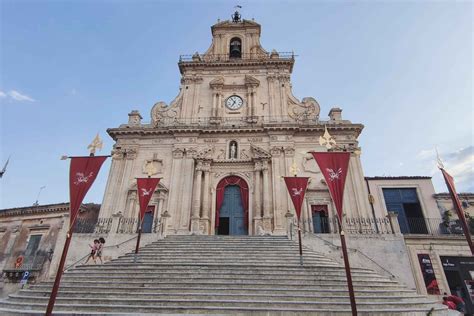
234	102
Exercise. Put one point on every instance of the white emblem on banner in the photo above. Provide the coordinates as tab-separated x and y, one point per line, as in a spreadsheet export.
81	178
145	192
297	192
334	175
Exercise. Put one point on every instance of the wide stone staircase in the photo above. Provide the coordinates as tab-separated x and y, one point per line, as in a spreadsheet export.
220	275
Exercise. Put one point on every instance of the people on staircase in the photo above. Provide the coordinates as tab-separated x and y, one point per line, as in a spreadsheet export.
450	304
100	248
458	302
94	248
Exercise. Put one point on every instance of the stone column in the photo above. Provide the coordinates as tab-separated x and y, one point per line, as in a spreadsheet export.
249	103
267	218
258	192
196	199
206	208
271	100
214	104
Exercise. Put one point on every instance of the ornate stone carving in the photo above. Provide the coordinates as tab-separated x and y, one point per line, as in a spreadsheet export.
178	152
217	83
130	153
221	154
152	166
251	81
243	154
276	151
259	152
309	164
162	111
206	152
308	109
289	151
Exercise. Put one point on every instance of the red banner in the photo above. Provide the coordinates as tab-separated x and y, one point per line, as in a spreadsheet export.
145	188
297	189
334	166
458	206
82	174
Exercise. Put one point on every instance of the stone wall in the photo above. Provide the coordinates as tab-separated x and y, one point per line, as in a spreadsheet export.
386	254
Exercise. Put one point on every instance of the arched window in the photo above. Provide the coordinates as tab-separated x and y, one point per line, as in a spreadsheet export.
235	48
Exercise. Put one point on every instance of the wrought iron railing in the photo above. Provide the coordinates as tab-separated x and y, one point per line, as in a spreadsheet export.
97	226
244	57
29	263
432	226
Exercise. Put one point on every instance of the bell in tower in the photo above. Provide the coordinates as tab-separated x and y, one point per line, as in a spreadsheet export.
235	48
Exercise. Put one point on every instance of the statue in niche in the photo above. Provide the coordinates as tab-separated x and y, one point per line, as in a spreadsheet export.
233	150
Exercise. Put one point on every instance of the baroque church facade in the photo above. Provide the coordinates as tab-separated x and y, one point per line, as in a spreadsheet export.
222	146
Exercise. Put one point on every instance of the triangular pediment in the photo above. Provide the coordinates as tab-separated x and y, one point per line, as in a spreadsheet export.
260	152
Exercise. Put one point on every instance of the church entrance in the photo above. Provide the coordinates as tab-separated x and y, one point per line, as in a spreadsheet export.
232	206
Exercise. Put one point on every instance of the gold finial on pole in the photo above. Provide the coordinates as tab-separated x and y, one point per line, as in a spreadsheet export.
294	169
96	144
327	140
438	159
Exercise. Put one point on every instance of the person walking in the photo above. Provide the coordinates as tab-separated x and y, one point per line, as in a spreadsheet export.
94	248
98	253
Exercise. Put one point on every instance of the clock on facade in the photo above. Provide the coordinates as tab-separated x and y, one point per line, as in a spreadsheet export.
234	102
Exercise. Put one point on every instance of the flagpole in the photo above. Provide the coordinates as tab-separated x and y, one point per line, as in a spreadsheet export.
301	246
348	269
139	235
57	280
96	144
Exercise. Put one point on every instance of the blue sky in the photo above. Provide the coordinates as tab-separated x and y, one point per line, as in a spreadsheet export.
71	69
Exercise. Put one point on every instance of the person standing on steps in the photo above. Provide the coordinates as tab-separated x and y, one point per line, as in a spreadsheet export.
98	253
94	248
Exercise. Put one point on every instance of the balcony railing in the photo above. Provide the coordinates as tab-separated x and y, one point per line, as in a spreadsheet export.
432	226
244	57
354	225
410	226
94	226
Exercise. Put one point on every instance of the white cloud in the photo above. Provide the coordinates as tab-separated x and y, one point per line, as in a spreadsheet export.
3	94
17	96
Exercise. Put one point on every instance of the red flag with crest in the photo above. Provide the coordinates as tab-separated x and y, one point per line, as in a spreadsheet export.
82	174
334	166
458	206
297	189
145	188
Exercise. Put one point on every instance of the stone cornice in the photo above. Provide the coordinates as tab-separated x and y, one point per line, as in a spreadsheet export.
288	62
40	209
147	130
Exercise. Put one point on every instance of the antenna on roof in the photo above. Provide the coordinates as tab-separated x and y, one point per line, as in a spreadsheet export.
37	198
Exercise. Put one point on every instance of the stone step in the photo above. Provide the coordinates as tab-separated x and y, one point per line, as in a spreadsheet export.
224	293
247	261
235	268
234	279
219	274
191	301
79	309
342	284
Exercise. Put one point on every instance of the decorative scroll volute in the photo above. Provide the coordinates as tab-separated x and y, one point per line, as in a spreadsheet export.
307	109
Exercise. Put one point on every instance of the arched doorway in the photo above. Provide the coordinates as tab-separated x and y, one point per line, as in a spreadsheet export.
232	204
